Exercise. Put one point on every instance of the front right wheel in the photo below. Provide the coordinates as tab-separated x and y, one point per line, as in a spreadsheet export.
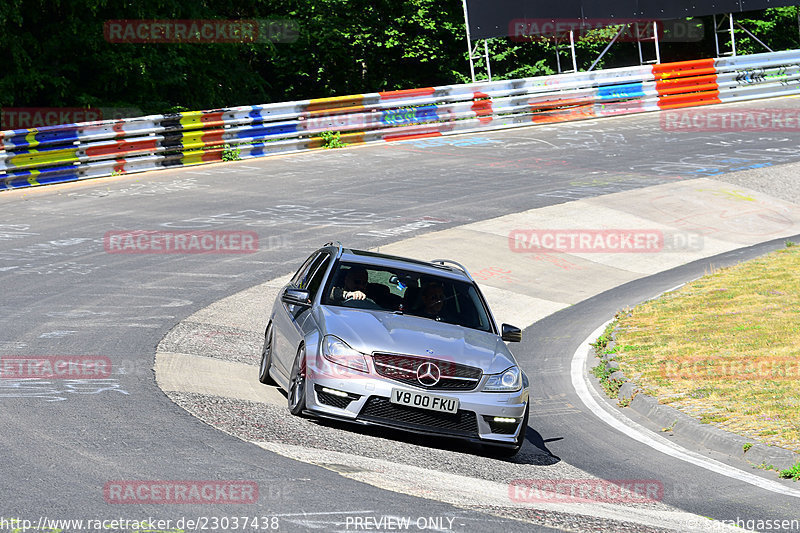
266	358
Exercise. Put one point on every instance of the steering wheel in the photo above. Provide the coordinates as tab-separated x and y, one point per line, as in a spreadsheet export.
366	303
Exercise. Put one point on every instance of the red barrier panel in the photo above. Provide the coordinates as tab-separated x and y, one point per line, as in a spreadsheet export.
123	148
406	93
482	107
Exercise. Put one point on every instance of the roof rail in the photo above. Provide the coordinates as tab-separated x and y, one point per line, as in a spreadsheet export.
336	243
459	265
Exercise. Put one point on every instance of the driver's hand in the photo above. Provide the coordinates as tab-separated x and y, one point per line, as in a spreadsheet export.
355	295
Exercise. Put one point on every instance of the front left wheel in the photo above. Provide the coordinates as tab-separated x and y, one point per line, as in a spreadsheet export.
297	384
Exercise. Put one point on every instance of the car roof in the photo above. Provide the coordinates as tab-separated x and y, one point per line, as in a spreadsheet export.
375	258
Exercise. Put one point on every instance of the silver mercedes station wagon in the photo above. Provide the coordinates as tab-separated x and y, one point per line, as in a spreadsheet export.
390	341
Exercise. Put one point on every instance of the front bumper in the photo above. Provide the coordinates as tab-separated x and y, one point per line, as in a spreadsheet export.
338	392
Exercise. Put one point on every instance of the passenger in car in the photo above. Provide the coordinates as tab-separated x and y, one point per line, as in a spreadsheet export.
432	300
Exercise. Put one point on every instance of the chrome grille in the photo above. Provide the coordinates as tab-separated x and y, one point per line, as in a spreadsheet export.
403	368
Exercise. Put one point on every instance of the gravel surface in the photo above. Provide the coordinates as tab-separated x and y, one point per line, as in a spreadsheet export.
253	421
263	422
568	522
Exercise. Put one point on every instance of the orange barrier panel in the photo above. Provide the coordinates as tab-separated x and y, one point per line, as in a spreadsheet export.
688	100
682	69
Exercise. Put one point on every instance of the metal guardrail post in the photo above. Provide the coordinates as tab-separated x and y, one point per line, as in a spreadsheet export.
729	30
472	53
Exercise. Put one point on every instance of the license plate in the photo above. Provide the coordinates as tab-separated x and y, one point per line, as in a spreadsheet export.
424	401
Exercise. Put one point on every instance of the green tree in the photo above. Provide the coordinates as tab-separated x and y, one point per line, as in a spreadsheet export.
54	52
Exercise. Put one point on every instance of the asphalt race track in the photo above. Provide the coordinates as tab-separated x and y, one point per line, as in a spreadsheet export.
66	294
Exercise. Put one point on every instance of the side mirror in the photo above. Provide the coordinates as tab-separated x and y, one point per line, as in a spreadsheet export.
296	297
511	333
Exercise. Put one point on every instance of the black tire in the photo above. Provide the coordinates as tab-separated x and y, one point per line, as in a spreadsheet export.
508	452
266	358
297	384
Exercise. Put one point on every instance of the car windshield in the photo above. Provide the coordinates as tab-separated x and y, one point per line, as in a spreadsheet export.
413	293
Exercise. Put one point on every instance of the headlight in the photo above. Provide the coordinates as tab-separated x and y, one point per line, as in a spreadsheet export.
508	381
337	351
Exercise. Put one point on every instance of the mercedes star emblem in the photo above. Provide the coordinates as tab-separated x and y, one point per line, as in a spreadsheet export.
428	374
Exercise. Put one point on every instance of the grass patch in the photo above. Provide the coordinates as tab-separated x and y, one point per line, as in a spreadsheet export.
724	349
710	419
609	385
231	153
601	344
601	372
792	473
332	139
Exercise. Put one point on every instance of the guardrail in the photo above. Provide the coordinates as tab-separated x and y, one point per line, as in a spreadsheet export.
70	152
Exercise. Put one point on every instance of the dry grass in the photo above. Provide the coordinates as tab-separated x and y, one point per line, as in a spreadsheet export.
725	348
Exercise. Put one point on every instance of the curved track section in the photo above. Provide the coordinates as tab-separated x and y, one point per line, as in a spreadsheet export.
193	374
66	440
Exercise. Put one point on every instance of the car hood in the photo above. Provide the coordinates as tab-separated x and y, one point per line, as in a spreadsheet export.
379	331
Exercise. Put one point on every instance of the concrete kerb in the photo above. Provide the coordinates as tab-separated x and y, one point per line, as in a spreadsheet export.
536	283
712	438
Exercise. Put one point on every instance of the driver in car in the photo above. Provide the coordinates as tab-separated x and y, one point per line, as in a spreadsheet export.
355	285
